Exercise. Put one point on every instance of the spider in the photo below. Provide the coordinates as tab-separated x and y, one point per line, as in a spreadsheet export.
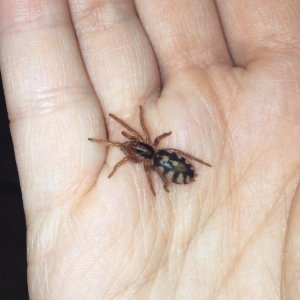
170	164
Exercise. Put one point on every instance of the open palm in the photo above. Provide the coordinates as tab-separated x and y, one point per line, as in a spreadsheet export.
224	78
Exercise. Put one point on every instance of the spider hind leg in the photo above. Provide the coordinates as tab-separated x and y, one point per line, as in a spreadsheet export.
147	170
117	165
187	155
164	180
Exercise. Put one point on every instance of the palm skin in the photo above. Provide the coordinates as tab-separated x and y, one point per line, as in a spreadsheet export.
231	234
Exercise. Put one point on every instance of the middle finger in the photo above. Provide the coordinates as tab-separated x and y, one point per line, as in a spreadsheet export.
117	53
184	34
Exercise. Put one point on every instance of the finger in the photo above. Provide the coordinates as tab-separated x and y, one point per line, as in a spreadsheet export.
258	28
51	104
117	53
185	34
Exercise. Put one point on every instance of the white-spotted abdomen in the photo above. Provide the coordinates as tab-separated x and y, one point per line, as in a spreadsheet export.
173	167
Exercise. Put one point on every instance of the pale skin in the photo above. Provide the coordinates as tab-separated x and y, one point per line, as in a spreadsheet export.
224	77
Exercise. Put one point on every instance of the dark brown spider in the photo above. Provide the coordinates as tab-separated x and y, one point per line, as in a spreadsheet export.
170	164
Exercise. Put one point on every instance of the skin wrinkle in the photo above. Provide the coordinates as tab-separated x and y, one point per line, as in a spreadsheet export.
34	240
285	241
182	22
185	64
221	114
243	174
40	17
152	252
124	270
213	212
253	33
277	45
179	274
68	271
69	193
90	268
248	243
54	96
143	226
225	122
264	139
173	212
130	40
163	261
201	230
274	55
271	276
185	251
94	176
48	94
46	275
103	16
92	265
60	284
149	259
233	94
171	254
139	275
297	90
110	242
222	28
240	181
120	247
209	218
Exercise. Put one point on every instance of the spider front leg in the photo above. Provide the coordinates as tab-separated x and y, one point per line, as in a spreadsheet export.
129	128
108	143
128	136
142	121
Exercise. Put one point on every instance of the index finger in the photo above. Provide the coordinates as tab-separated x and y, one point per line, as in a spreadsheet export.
51	104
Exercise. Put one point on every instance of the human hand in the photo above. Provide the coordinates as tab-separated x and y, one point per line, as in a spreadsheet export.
224	79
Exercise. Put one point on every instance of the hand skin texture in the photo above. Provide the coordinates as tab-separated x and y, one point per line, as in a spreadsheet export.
224	77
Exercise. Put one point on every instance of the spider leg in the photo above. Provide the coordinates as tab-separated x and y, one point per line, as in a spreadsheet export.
164	179
160	137
142	121
134	132
189	156
108	143
117	165
128	136
147	170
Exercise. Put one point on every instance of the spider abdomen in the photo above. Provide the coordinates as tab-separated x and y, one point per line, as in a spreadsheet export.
173	167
